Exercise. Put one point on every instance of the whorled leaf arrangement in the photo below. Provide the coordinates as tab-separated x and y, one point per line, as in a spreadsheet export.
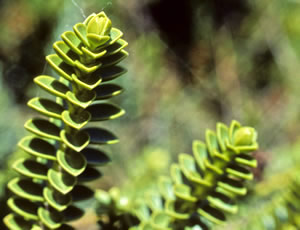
201	189
63	148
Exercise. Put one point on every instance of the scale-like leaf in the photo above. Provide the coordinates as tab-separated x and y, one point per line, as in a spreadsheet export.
65	53
88	83
31	168
113	59
60	67
89	174
24	208
72	41
116	47
51	219
43	128
105	91
81	100
17	223
72	162
38	147
81	192
76	121
95	157
51	85
105	111
101	136
76	142
26	189
61	181
72	213
57	200
46	107
108	73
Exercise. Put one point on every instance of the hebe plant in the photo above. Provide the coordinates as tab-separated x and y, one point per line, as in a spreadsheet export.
201	190
63	149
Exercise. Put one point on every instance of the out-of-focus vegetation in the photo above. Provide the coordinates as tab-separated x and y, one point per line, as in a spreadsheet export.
192	63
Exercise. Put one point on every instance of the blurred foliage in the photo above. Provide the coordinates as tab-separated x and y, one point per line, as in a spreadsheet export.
192	63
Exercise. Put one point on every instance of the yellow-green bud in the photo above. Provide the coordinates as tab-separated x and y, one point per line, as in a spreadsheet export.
99	25
244	136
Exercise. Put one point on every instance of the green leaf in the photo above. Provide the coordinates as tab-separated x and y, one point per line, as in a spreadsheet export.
232	186
154	201
43	128
200	153
234	126
211	142
76	121
82	100
101	136
212	168
89	174
31	168
80	31
170	210
184	192
95	157
72	162
51	219
116	47
65	53
51	85
247	160
188	167
88	83
60	67
77	141
27	189
165	187
108	73
46	107
23	207
105	111
161	220
212	214
57	200
222	135
91	16
113	59
222	202
105	91
61	181
17	223
81	192
239	172
96	41
141	211
72	213
38	147
115	35
176	174
72	41
87	69
93	55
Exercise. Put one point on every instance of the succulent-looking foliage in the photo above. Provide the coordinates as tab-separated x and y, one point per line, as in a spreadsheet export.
283	213
63	148
201	189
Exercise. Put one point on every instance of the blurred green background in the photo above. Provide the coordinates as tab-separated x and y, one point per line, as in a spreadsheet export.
191	64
